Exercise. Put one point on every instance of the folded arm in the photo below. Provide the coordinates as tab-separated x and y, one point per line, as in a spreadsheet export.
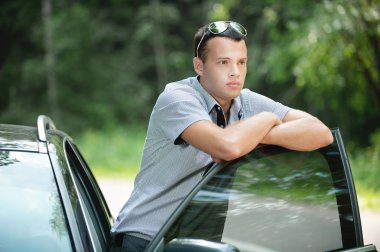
233	141
299	131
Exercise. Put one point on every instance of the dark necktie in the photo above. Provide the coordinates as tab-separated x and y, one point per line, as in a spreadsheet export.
220	120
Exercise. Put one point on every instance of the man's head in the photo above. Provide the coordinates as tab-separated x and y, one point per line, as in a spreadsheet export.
227	29
221	60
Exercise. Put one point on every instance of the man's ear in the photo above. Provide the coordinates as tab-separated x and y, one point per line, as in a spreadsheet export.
198	66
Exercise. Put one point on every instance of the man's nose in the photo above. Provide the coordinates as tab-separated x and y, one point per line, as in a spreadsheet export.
234	70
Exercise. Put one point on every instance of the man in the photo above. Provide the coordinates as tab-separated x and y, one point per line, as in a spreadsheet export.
203	119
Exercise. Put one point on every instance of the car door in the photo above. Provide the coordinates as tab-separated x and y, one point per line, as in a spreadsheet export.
272	199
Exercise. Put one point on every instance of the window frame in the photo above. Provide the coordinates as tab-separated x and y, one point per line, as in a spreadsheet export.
93	203
63	177
75	192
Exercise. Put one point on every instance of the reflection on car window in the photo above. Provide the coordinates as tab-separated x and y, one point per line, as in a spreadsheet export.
31	213
266	202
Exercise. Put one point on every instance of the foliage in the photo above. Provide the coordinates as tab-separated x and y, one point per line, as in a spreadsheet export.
111	59
366	172
335	62
115	153
346	46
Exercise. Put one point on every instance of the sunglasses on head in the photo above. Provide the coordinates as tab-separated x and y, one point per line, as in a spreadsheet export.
221	26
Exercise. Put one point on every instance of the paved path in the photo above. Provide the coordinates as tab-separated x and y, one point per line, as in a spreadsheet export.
117	192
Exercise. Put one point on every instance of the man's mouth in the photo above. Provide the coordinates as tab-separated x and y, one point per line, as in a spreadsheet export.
233	84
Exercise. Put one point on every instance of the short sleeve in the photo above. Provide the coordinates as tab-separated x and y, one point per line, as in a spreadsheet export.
254	103
177	109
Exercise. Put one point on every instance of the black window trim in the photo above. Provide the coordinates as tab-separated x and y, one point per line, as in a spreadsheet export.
79	202
77	243
95	197
56	146
351	188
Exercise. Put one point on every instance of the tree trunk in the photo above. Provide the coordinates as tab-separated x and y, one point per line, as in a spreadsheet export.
159	46
51	79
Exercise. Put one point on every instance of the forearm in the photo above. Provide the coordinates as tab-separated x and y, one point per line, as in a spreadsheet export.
240	138
233	141
304	134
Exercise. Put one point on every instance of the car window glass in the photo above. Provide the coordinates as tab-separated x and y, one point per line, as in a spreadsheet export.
281	202
31	213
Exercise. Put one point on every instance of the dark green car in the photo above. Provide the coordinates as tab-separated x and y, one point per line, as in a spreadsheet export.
272	199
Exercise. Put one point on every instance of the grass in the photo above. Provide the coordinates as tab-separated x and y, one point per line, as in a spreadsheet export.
113	153
365	165
116	154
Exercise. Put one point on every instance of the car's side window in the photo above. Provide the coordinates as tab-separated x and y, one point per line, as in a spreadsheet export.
271	200
95	209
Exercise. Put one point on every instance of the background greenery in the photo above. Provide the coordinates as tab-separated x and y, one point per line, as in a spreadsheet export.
96	67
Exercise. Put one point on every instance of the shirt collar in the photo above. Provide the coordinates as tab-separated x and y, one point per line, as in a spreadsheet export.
210	101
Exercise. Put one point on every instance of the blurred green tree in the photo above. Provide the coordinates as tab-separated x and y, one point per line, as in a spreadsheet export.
334	59
112	58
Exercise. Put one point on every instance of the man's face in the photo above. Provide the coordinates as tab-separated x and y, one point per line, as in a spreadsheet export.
223	73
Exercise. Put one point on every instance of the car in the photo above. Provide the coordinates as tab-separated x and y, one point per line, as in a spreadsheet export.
49	199
272	199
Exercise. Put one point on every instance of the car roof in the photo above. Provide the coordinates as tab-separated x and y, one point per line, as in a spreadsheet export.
16	137
28	138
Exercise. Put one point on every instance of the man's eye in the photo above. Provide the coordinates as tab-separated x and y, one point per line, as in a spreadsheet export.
223	62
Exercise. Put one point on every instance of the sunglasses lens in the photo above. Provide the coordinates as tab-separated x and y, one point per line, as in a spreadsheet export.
239	28
218	27
221	26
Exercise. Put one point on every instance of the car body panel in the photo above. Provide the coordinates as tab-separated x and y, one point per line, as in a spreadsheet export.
22	138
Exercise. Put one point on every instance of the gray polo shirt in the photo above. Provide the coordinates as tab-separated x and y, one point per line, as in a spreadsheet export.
169	171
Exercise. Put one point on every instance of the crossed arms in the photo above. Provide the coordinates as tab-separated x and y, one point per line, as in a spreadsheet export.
298	131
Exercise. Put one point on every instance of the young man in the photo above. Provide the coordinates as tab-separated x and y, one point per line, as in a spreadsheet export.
206	119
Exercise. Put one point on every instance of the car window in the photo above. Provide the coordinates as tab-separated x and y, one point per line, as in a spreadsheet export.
273	200
31	212
95	207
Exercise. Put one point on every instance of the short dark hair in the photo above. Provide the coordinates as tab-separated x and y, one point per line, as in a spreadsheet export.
228	33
